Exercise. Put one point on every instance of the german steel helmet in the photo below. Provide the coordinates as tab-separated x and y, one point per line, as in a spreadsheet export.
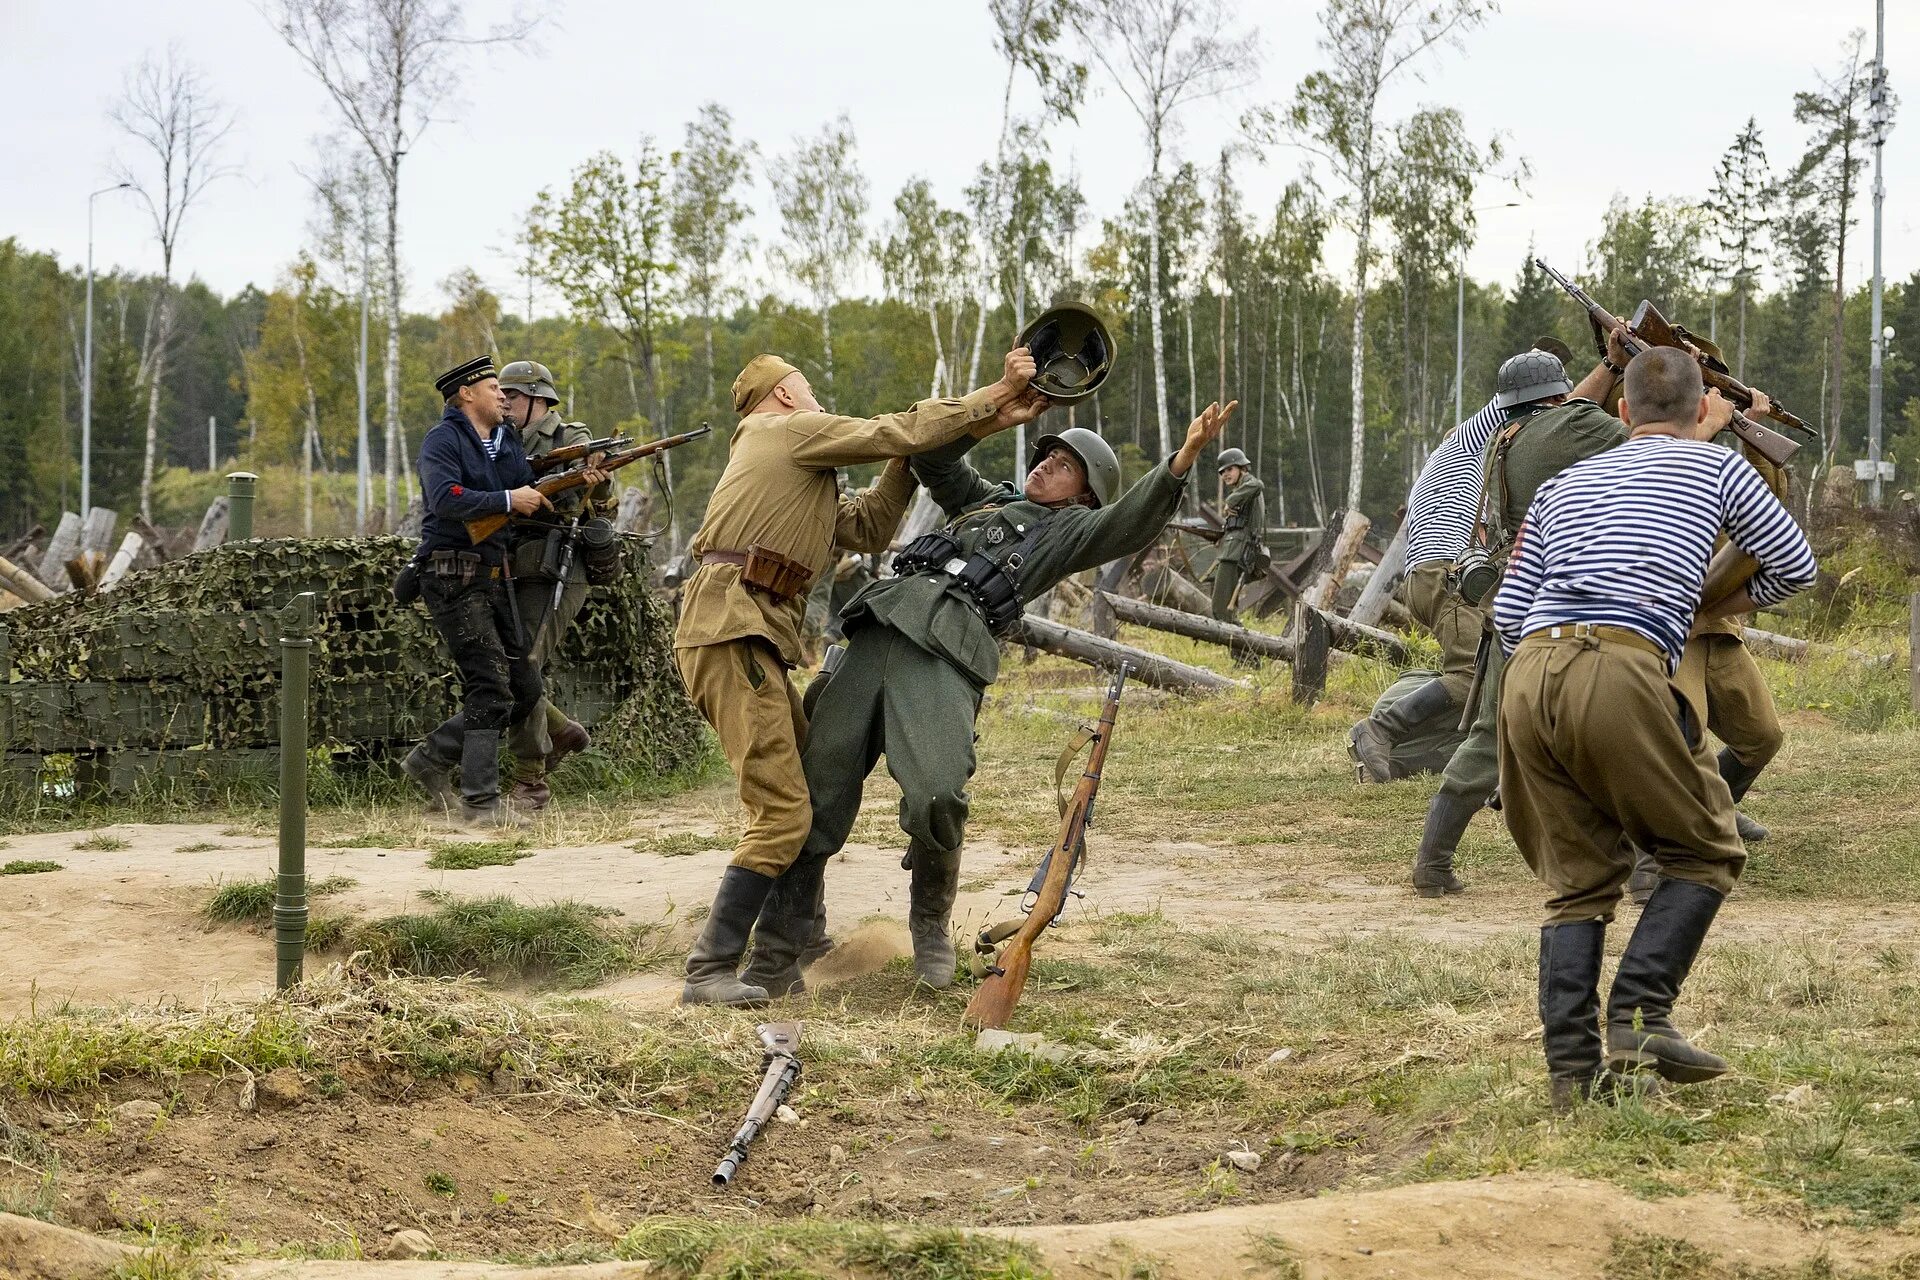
1103	469
1073	350
1235	458
529	377
1530	376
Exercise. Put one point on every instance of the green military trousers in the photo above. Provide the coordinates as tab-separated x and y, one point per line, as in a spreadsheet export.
1474	772
891	697
1226	584
531	740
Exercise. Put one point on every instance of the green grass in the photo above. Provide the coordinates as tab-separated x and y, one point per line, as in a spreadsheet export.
251	901
1645	1256
29	867
102	842
680	844
568	942
469	855
687	1247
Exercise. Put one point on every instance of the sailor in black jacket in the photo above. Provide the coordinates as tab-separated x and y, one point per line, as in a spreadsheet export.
471	466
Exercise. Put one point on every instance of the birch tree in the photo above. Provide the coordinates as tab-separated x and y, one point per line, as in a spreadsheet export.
1335	114
924	262
174	127
707	172
1163	56
388	66
822	198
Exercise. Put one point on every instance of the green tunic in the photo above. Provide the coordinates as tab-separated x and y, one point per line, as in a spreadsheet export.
1246	519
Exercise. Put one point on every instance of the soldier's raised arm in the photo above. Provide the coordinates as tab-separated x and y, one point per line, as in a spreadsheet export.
819	439
867	521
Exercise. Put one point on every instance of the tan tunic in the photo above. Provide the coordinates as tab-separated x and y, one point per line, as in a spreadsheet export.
778	492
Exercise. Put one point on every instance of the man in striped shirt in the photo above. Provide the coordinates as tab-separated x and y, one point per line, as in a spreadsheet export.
1598	741
1441	510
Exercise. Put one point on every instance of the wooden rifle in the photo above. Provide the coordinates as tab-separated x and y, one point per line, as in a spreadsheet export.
1770	444
483	527
993	1000
574	452
1653	328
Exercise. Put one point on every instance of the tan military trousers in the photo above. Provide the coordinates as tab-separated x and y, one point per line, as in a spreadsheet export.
1718	674
742	688
1453	622
1596	741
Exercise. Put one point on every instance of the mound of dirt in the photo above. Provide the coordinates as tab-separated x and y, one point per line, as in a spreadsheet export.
33	1250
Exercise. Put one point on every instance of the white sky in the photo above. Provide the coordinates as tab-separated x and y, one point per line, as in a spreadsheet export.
1574	88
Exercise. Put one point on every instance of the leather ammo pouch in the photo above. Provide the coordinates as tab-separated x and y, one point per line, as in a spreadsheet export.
464	565
983	579
775	574
406	583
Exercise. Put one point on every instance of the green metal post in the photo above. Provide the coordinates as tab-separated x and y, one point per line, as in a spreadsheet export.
240	487
6	705
290	899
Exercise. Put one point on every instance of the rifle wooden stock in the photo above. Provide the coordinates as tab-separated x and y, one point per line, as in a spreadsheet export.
484	527
1654	329
1728	571
993	1001
1768	443
574	452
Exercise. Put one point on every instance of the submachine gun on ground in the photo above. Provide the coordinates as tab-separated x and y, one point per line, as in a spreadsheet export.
561	481
781	1062
1046	896
1650	329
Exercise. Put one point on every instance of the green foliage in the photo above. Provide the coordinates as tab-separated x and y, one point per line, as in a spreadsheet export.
469	855
28	867
686	1247
251	901
571	942
102	842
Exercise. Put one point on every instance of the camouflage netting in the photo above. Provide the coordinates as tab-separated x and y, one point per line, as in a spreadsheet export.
175	672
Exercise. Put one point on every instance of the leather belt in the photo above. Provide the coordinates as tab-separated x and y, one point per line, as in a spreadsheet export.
1594	631
724	557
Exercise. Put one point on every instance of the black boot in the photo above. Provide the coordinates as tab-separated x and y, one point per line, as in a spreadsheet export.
1646	874
713	964
1739	779
434	776
1447	819
480	804
794	913
1640	1031
1570	1009
1371	742
936	879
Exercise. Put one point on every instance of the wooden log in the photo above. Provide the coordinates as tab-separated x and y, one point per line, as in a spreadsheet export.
60	549
1315	644
1398	616
1099	615
213	525
154	538
96	534
83	572
1149	668
18	548
1165	585
1913	652
23	583
1142	613
1378	593
1320	594
123	560
9	601
1771	644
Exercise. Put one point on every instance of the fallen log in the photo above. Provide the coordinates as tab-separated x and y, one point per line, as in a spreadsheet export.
1356	637
1378	593
60	549
1771	644
1099	616
1193	626
1320	594
1315	654
24	584
123	559
1165	585
1149	668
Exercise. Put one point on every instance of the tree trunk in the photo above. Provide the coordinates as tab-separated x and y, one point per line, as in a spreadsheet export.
1345	547
1153	302
1193	378
394	447
939	353
1357	459
156	373
1837	351
1148	668
1180	622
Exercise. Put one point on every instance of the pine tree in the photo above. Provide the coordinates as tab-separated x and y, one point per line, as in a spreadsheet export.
1740	212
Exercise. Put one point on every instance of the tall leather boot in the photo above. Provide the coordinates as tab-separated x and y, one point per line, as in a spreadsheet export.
1570	1009
434	776
480	804
793	913
1739	779
936	880
713	964
1645	877
1640	1030
1371	742
1447	819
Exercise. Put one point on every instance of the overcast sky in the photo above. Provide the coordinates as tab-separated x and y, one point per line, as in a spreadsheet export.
1632	97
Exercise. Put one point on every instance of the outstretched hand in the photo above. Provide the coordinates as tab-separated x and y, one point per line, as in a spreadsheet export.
1205	430
1020	409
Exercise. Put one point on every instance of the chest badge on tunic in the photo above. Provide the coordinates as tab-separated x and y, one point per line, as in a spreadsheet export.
996	535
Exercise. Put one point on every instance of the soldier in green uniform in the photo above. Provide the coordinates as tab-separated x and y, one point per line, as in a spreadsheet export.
922	647
1245	539
549	735
1551	424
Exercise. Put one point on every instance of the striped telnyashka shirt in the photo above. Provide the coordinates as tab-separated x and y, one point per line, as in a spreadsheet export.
1622	539
1446	498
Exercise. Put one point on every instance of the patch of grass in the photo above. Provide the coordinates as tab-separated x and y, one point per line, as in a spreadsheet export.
103	842
680	844
32	1189
1271	1254
441	1184
251	901
685	1247
1641	1256
469	855
199	846
571	942
369	840
29	867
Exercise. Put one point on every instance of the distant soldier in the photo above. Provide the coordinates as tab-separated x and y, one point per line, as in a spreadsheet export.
549	735
1441	510
1548	425
922	647
769	530
1597	741
1243	545
469	467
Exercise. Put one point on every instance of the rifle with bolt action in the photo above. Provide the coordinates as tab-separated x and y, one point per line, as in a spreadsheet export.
559	482
574	452
1653	328
781	1043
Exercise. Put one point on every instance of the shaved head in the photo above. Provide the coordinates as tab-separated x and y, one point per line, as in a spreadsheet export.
1663	385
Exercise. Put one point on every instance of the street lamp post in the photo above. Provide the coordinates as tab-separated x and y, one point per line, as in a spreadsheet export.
1460	319
1879	120
86	363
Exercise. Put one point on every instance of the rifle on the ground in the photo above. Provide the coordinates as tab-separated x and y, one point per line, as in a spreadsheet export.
993	1001
574	452
1771	445
1653	328
781	1042
484	527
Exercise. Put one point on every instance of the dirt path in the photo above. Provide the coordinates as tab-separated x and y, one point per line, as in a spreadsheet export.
125	925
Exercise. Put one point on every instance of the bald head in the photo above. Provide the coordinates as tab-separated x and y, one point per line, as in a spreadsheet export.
1662	385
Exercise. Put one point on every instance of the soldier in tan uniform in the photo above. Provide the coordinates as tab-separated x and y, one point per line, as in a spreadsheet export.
770	529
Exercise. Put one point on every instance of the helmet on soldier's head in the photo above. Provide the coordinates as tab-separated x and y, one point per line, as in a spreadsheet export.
1095	455
1234	458
1072	350
1530	376
530	378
